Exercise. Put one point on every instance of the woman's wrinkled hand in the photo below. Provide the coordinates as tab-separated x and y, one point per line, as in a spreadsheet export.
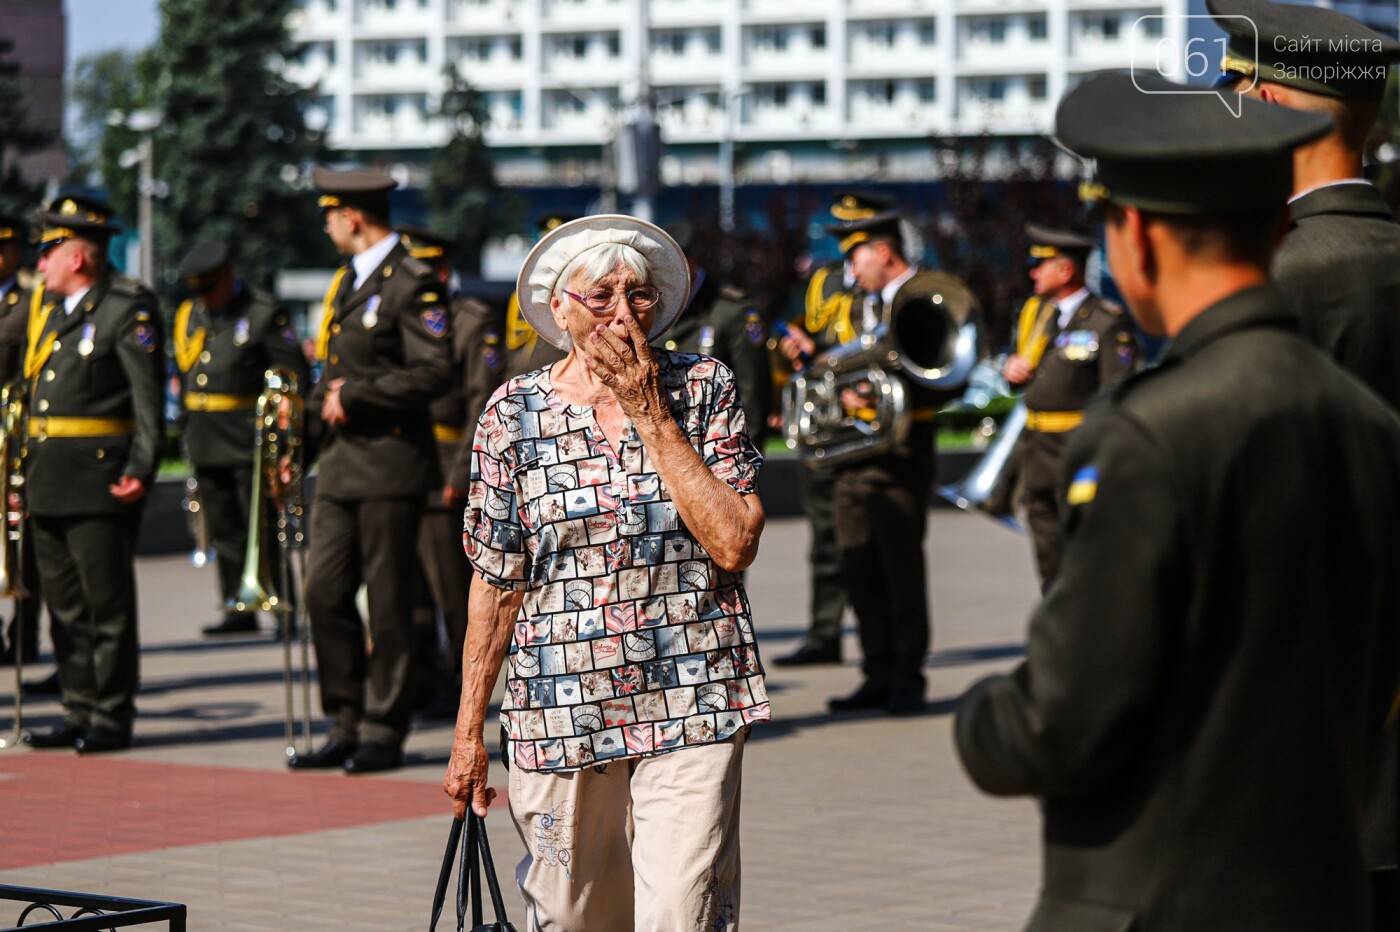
465	780
625	366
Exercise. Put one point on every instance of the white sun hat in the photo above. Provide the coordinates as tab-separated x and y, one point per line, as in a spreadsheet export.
552	254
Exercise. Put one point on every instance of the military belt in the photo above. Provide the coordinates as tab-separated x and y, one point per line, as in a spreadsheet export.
42	427
446	433
212	401
1053	422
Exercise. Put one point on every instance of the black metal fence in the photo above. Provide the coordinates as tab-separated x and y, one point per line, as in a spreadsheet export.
33	908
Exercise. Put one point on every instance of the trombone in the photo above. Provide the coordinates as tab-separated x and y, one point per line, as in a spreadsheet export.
12	414
269	581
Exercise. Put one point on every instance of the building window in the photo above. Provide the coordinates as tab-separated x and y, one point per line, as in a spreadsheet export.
996	31
926	91
818	95
578	46
1110	27
614	45
1036	87
1152	27
996	89
816	37
889	91
712	41
1037	27
928	32
881	35
770	39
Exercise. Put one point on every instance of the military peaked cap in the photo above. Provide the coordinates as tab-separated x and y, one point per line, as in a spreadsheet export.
425	244
1159	149
363	190
202	264
849	206
546	222
79	216
1050	242
13	227
1307	47
850	235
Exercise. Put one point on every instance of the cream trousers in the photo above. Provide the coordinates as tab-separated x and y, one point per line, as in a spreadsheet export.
648	845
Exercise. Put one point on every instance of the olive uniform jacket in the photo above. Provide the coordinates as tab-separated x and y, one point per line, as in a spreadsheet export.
14	326
828	305
737	337
525	351
390	340
97	397
1070	364
1340	265
1207	677
221	360
477	362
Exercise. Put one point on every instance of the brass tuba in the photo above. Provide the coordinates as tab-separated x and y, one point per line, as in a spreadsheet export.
933	339
278	504
12	446
982	489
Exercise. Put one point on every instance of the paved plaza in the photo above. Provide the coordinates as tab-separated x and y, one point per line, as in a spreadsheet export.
852	822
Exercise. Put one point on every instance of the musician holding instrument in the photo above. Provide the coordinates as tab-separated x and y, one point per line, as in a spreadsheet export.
96	370
613	508
14	325
477	361
227	334
881	501
831	294
385	343
1070	345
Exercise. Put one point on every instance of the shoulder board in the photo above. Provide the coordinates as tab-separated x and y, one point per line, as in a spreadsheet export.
129	287
1109	307
416	267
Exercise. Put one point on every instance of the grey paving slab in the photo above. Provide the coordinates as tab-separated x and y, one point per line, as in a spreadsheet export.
861	822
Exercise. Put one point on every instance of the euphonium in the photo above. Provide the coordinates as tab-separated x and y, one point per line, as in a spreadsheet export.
932	339
12	440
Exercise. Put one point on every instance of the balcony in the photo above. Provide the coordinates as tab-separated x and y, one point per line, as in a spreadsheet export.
393	120
575	14
392	17
474	16
383	64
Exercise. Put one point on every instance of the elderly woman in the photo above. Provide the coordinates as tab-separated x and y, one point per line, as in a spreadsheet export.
610	514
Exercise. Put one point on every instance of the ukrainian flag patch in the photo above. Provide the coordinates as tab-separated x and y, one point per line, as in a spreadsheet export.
1084	486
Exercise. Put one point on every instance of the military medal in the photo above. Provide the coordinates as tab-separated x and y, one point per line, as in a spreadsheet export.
240	331
85	344
371	314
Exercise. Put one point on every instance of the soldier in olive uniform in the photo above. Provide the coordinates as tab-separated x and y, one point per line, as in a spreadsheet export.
477	362
881	502
14	323
96	367
831	293
525	351
1070	344
226	337
1339	262
720	321
1207	679
385	344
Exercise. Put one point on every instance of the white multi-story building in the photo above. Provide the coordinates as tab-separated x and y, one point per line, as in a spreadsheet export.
811	89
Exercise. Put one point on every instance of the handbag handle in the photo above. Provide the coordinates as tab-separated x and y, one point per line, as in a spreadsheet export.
469	870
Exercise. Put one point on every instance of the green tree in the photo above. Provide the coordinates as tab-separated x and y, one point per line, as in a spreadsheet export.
17	136
102	84
461	195
233	147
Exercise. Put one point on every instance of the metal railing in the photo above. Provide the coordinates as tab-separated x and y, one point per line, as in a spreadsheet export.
35	908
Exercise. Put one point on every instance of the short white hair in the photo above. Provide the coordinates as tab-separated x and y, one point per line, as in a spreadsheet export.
595	262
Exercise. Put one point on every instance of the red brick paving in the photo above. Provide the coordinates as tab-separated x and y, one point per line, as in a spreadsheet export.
62	807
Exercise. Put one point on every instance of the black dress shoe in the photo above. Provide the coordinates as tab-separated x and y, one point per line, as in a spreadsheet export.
908	701
868	696
49	686
100	740
809	655
232	624
334	753
374	758
63	736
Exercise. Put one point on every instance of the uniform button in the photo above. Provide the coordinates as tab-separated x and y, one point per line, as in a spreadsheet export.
101	454
57	345
48	375
204	356
335	360
201	379
671	344
43	404
335	328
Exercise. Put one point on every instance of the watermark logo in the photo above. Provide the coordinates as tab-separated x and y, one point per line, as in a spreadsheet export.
1165	47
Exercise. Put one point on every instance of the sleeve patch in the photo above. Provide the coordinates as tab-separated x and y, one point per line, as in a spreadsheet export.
434	320
1083	487
146	337
753	327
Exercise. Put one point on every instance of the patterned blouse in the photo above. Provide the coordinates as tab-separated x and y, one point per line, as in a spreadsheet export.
631	641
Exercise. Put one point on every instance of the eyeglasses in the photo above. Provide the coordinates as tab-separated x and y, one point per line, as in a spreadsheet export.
602	300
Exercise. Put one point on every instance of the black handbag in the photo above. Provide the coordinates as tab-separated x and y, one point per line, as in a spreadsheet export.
471	833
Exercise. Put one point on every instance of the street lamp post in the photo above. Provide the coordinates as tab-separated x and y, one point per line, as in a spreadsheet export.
145	123
726	160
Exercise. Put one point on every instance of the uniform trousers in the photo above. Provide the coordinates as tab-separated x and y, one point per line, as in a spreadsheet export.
364	692
88	575
828	592
881	507
447	574
1040	456
648	844
226	495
